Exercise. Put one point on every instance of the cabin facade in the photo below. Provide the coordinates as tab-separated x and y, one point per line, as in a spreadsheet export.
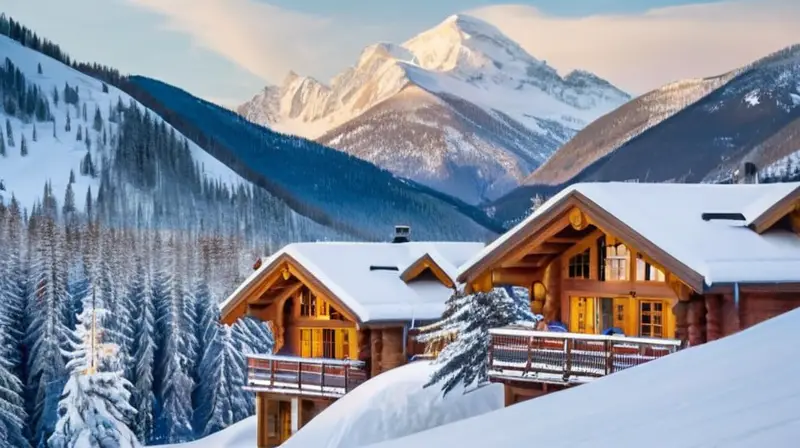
629	272
341	313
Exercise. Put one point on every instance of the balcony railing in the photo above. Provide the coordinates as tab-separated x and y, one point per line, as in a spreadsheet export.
554	357
320	377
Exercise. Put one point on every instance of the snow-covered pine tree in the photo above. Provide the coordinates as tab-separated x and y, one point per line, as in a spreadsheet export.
23	147
464	361
47	334
94	411
9	133
175	321
2	144
13	418
144	345
252	337
220	397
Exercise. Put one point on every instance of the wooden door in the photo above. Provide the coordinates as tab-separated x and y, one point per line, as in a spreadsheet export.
623	318
582	315
285	419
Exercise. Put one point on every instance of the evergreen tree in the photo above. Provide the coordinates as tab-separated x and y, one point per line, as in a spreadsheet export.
94	410
34	132
47	333
469	317
39	68
105	88
85	115
13	418
54	129
9	133
175	325
143	397
71	176
55	96
68	125
79	134
23	146
98	119
2	144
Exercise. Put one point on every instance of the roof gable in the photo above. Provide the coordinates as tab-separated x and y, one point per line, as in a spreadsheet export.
345	272
666	220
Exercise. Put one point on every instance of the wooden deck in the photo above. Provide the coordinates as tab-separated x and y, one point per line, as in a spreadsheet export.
319	377
521	355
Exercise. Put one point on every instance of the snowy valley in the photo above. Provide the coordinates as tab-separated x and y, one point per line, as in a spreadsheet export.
460	107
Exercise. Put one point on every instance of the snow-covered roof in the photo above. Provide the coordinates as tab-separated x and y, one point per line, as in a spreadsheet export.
698	397
373	295
669	217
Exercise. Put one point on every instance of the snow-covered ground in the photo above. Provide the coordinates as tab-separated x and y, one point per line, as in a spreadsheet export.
388	406
741	391
51	157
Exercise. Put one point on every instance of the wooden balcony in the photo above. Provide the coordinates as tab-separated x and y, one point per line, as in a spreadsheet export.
521	355
292	375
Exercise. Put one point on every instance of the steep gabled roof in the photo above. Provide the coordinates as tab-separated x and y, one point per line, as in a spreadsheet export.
667	218
366	277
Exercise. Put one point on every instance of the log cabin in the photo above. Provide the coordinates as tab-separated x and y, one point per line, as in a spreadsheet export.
341	313
629	272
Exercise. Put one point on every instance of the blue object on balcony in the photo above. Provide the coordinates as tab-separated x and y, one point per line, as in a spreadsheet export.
557	326
612	331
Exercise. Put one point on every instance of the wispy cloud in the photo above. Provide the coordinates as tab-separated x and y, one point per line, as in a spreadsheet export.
641	52
266	40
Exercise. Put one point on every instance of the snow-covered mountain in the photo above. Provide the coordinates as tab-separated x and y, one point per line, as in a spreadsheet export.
691	131
460	107
699	130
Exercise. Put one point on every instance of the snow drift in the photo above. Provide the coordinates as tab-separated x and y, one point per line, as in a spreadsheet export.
740	391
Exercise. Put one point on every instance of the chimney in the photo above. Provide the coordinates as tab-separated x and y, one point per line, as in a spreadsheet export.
748	174
402	234
257	264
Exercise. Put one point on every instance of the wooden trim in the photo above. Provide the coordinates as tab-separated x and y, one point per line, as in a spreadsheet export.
236	302
536	232
777	211
611	225
319	288
272	273
321	323
597	288
426	262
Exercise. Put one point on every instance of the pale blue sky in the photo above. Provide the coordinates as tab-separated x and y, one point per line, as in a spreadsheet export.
226	50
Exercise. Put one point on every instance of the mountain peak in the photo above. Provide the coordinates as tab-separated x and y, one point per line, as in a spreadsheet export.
465	42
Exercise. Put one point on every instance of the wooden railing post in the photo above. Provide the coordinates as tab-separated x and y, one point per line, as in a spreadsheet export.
529	362
346	378
272	373
299	375
567	359
322	377
609	349
491	350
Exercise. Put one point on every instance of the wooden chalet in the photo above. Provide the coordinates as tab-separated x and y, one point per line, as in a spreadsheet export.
341	313
628	272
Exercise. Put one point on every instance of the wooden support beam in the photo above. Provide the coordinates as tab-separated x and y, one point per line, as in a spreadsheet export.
538	239
550	248
564	239
516	276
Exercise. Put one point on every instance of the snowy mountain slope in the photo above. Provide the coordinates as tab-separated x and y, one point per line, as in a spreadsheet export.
744	114
612	130
691	131
700	397
333	188
507	103
57	151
